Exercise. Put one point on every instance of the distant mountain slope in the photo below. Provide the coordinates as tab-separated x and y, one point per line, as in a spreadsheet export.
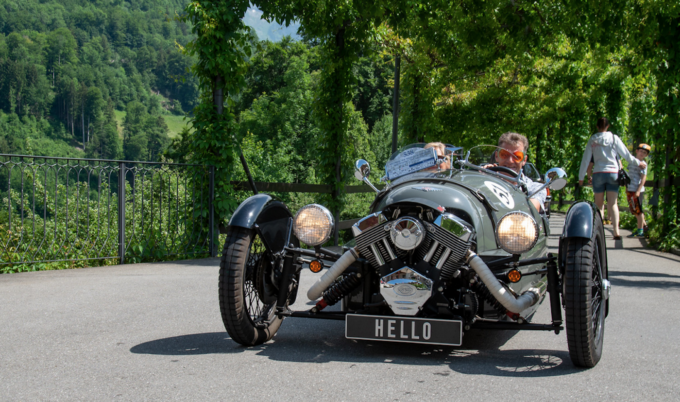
66	67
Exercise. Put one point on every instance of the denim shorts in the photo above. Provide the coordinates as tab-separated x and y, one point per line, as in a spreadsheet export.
605	182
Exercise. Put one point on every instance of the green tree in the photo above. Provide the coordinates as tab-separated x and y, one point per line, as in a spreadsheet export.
135	140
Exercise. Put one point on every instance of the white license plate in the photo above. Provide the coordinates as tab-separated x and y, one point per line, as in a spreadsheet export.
404	329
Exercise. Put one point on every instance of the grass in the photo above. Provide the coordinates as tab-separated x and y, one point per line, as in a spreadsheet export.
120	116
175	123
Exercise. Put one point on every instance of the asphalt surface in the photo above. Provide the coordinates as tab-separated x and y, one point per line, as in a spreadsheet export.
154	332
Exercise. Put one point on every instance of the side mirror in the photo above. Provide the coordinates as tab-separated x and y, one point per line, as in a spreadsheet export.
556	178
363	169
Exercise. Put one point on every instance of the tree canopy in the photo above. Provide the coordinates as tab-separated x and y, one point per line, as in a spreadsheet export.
100	78
471	71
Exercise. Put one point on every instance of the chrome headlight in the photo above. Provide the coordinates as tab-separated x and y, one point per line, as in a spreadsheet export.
517	232
313	224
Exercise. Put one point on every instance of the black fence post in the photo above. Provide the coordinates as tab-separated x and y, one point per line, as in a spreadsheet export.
121	212
211	213
560	201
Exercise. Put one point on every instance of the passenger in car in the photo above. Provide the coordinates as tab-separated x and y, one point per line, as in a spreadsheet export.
440	148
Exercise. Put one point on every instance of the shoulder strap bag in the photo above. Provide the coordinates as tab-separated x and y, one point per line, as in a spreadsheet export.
623	179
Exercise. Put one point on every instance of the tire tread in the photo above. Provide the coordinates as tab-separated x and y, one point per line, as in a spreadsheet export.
578	282
232	304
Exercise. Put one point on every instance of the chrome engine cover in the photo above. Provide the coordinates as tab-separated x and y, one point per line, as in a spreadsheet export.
405	291
407	233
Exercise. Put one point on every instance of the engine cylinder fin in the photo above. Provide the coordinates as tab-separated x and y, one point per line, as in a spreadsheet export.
383	251
437	254
430	251
372	237
447	239
422	251
449	268
445	256
377	255
388	248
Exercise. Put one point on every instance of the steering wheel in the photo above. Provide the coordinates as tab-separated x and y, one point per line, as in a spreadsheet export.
505	170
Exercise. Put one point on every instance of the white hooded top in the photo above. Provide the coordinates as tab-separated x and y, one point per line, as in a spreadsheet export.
603	148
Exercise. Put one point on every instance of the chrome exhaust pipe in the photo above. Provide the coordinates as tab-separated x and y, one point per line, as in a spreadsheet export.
507	299
333	272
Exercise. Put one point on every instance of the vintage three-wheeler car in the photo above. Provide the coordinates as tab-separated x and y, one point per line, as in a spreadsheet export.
450	243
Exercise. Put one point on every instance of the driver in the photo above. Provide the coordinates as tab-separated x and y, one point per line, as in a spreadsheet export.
513	155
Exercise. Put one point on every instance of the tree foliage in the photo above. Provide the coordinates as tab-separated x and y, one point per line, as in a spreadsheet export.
471	71
303	111
73	62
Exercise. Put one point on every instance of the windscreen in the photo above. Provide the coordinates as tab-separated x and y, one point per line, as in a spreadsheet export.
421	159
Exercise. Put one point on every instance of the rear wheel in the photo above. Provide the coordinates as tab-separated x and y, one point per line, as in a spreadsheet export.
247	288
584	294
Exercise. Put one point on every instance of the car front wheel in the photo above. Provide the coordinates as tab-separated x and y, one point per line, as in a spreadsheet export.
585	296
246	290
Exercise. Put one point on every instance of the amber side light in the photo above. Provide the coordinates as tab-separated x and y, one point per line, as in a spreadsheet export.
315	266
514	276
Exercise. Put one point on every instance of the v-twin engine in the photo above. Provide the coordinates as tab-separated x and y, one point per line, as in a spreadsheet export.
443	245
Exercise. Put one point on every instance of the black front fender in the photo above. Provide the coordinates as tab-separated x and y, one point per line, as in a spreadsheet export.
247	213
579	220
272	217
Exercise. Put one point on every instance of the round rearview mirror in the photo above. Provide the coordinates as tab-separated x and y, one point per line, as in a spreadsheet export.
558	184
556	178
363	169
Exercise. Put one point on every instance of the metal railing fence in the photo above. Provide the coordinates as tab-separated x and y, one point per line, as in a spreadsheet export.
70	209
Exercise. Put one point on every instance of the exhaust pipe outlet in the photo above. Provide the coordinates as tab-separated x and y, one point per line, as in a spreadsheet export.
333	272
507	299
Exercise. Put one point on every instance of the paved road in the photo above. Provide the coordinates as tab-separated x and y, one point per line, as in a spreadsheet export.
153	332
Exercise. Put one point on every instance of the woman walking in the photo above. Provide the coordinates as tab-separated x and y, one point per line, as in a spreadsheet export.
605	147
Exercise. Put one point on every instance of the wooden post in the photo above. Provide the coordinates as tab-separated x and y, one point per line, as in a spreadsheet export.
668	191
395	102
218	101
340	43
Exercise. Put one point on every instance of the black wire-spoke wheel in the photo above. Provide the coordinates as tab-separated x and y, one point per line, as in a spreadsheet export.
247	288
585	296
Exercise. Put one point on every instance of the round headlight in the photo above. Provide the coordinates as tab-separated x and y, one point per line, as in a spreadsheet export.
313	224
517	232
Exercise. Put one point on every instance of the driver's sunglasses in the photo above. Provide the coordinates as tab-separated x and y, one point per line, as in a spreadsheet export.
516	156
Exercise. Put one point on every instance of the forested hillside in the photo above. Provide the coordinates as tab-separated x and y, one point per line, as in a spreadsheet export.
66	66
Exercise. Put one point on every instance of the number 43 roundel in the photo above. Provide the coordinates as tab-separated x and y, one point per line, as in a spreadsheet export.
501	193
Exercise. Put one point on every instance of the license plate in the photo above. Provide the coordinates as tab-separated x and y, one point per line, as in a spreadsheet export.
403	329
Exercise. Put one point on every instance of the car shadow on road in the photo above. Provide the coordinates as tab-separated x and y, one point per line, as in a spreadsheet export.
644	284
323	342
617	279
642	274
